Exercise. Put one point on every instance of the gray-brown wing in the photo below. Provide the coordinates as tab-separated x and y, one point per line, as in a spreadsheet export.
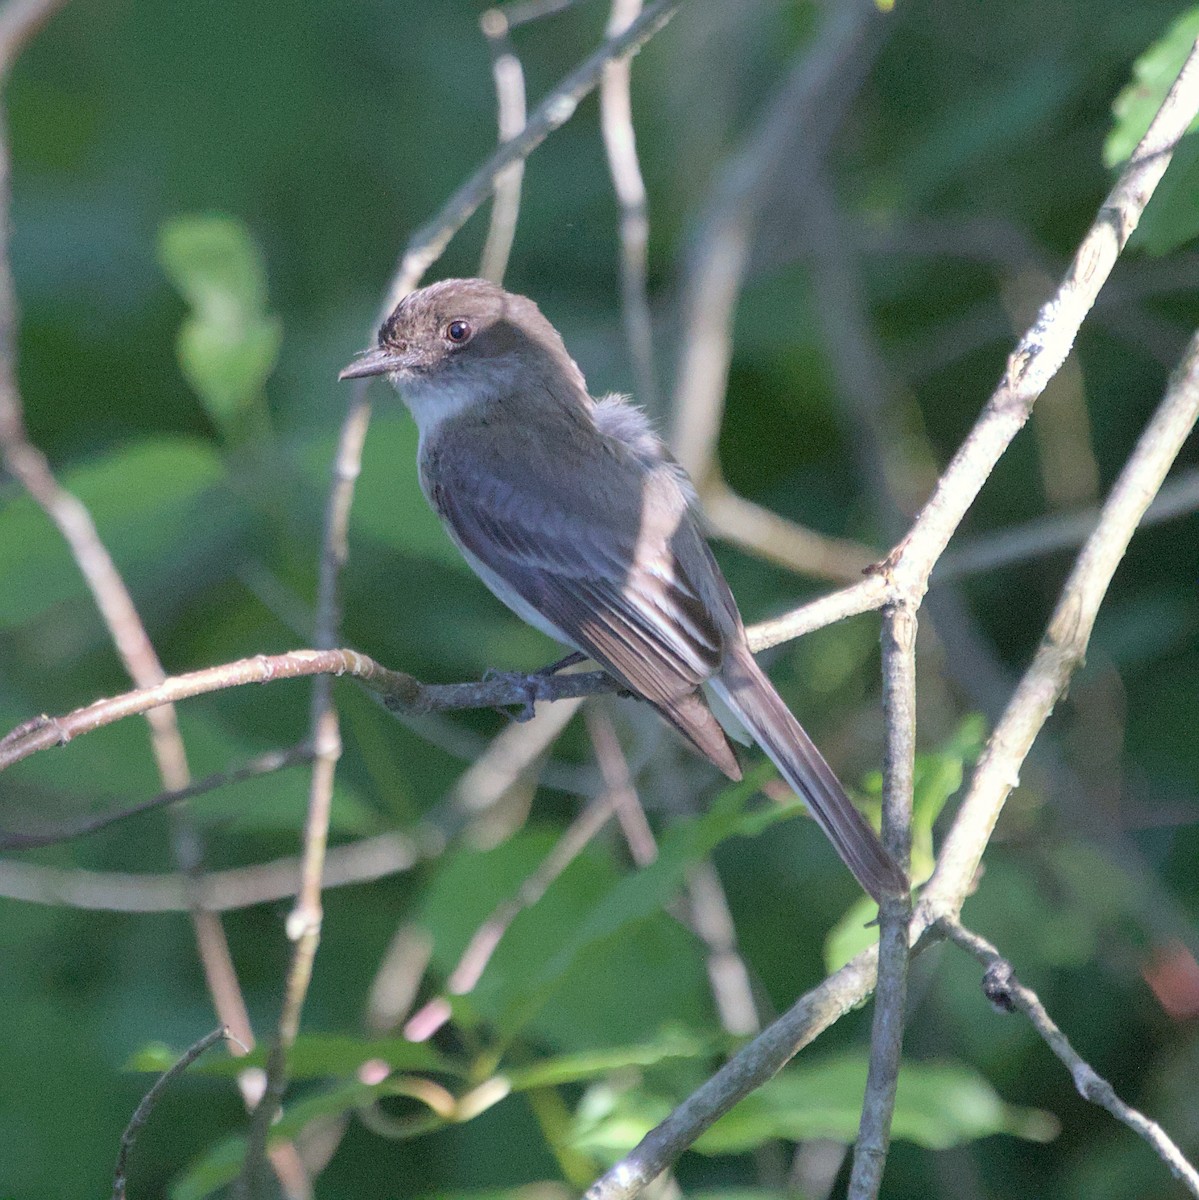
600	561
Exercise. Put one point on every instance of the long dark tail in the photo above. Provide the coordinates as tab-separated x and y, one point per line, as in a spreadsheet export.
752	697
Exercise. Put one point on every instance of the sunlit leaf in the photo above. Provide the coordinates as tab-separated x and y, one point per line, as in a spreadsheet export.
314	1056
571	1068
937	776
230	342
1172	216
936	1106
1152	74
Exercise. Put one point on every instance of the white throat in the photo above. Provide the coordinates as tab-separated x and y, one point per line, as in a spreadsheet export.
433	403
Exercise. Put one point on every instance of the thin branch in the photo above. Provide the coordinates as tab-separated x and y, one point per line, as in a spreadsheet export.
400	692
423	250
761	531
1008	994
993	778
620	143
1040	351
728	976
222	891
1178	497
755	1063
886	1041
715	275
716	272
862	597
618	783
1043	349
264	764
142	1113
510	113
527	11
19	20
1065	641
573	841
429	242
304	930
486	938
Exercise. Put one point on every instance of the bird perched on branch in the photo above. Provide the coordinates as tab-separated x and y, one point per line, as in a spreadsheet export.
571	510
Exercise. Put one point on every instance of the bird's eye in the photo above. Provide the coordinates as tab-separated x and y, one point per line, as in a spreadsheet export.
458	332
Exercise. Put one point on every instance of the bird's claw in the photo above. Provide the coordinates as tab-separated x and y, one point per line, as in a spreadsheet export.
529	685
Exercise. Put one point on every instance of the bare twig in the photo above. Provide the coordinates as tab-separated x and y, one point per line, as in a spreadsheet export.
400	692
566	849
506	760
618	783
774	538
222	891
862	597
886	1042
1058	531
423	250
620	142
728	976
715	275
714	278
992	780
142	1113
486	938
1040	351
1045	346
264	764
510	113
748	1069
429	242
1065	640
1008	994
19	20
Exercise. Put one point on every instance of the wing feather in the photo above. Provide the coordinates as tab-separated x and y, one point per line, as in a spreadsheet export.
602	566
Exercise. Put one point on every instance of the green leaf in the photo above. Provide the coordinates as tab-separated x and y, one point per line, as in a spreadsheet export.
590	1064
221	1165
314	1056
936	1106
152	501
937	777
1152	74
468	887
1172	216
636	896
229	344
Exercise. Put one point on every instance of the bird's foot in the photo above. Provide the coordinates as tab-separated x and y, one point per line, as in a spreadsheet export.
531	685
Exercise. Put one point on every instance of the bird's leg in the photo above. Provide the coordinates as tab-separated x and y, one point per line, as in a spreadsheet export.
572	659
532	683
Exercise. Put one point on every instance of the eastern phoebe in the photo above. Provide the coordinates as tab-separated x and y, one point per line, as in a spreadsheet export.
573	513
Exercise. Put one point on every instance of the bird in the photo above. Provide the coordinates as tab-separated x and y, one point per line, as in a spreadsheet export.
572	511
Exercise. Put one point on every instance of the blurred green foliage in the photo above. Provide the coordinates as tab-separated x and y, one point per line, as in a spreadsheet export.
208	200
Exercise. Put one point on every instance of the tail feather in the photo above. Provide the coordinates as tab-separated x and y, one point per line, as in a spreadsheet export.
691	716
747	691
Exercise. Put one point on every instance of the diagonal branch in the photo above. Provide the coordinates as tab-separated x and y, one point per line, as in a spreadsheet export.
895	912
1008	994
1041	350
620	143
